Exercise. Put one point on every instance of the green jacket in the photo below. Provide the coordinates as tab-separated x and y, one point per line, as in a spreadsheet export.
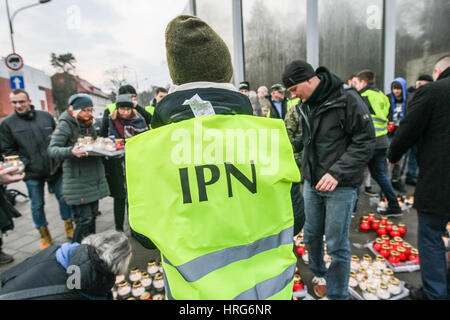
294	130
83	179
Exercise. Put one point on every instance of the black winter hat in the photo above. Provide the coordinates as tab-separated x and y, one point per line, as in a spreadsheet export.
80	101
124	101
297	72
195	52
127	89
244	86
425	77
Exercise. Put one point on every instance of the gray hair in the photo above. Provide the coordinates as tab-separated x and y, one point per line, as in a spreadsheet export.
114	248
443	62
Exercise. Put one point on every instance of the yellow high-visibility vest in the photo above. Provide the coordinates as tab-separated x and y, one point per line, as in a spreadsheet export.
216	202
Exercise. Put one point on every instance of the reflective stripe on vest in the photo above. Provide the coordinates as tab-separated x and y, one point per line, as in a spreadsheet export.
380	106
150	109
207	210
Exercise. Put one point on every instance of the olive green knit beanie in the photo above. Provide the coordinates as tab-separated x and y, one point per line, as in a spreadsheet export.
195	52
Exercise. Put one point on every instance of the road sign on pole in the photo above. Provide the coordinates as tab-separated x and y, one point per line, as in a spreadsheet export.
17	82
14	62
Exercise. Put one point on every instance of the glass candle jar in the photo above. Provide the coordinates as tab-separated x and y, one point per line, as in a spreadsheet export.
363	283
394	232
354	264
362	272
370	294
375	224
364	226
146	296
407	247
394	258
146	280
305	257
399	241
158	297
366	261
301	249
381	262
13	161
158	282
392	245
152	268
383	291
383	220
385	239
387	275
394	286
138	289
377	245
353	281
414	256
389	226
135	275
124	289
401	251
371	217
385	251
402	229
382	230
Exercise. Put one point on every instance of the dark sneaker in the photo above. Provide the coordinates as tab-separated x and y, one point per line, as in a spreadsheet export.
320	287
392	211
369	191
399	186
5	258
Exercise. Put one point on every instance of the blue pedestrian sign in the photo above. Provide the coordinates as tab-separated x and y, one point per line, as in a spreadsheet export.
17	82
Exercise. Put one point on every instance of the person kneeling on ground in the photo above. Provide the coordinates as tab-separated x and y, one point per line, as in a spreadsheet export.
72	271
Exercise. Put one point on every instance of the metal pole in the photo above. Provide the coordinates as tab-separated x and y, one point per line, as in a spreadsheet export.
312	33
11	31
389	41
238	38
193	7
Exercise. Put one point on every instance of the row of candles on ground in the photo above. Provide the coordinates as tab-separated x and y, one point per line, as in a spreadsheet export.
142	283
382	226
373	278
396	250
102	143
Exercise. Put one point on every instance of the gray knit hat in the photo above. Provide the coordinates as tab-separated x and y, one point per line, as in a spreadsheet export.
80	101
124	101
195	52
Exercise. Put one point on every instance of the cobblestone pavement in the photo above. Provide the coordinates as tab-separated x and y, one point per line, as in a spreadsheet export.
24	240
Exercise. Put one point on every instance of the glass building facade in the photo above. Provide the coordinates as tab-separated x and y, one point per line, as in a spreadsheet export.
352	35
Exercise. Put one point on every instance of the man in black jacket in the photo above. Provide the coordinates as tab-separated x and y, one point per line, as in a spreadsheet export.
427	124
278	102
338	139
26	133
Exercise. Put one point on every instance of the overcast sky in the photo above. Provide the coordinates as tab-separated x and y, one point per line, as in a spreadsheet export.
102	34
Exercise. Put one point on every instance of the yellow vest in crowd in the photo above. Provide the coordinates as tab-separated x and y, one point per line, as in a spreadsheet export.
213	194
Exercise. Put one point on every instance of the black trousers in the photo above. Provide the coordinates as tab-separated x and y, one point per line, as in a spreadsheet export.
84	217
298	206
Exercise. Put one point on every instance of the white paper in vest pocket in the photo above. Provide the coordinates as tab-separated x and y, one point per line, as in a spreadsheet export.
199	107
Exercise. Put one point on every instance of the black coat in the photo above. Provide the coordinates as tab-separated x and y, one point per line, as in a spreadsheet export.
28	136
104	130
427	124
274	114
7	212
338	134
44	270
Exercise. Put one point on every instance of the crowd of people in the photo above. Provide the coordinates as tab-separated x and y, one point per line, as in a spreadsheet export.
340	135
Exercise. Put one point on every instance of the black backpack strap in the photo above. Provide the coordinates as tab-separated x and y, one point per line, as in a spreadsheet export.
41	292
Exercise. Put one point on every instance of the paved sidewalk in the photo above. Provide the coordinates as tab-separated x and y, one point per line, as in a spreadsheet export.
24	240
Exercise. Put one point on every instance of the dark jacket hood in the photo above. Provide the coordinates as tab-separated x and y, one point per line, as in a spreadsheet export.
96	279
329	83
445	74
175	108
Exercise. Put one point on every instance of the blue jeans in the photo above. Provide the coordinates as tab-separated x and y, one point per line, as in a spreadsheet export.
329	213
36	194
377	167
411	175
433	266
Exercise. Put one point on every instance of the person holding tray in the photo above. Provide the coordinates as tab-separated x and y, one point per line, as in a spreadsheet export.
84	182
125	122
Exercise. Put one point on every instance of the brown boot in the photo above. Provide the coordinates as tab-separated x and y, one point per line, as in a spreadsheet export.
68	226
46	238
